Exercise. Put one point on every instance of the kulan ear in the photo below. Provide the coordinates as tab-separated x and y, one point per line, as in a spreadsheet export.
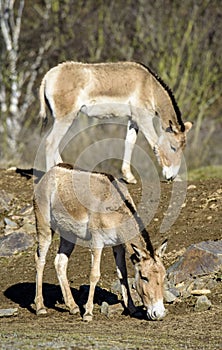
140	253
161	250
188	126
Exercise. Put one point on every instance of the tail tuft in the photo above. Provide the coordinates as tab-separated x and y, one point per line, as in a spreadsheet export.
42	112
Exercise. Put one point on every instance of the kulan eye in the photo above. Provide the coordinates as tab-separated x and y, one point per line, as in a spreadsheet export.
173	148
144	278
155	150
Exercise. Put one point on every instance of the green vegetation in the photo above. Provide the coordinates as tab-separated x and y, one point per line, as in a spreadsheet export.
204	173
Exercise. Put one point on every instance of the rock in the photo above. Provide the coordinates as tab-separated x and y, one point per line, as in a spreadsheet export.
26	210
28	228
211	283
202	303
196	271
198	283
170	295
8	312
12	168
170	292
10	226
15	242
199	259
5	200
104	309
191	187
116	286
110	310
200	291
10	223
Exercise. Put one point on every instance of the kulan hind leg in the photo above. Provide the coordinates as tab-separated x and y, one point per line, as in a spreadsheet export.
44	234
61	263
53	140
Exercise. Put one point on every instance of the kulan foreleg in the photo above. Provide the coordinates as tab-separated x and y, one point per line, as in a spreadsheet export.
61	263
131	136
119	255
94	278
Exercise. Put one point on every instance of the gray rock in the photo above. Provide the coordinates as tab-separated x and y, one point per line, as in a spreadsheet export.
170	295
200	291
10	223
202	303
116	286
111	310
8	312
26	210
104	309
198	283
15	242
28	228
199	259
5	200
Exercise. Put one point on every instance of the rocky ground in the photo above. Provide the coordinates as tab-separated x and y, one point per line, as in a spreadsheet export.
184	327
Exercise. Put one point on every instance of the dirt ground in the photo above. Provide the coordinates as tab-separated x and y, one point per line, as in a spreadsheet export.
200	219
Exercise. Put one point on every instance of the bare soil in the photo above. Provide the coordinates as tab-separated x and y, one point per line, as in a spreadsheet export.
200	219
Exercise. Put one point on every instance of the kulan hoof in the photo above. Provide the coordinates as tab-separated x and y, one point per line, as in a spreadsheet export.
87	318
41	312
74	311
130	179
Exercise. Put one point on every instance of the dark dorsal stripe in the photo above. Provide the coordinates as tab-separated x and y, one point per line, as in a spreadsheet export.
171	95
65	166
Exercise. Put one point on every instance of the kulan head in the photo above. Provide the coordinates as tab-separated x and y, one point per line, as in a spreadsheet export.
149	280
169	148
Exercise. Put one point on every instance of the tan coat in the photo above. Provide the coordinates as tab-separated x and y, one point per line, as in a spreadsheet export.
123	89
96	210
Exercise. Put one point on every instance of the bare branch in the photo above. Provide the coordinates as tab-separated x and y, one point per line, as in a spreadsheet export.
17	27
4	26
32	78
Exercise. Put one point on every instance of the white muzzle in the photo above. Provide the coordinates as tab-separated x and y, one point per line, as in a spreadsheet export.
157	311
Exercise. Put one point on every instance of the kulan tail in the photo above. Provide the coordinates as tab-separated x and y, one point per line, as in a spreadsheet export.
42	112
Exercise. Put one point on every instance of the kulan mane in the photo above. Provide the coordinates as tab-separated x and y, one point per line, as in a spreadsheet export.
171	95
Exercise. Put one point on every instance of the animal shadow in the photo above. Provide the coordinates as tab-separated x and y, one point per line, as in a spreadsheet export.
24	294
29	173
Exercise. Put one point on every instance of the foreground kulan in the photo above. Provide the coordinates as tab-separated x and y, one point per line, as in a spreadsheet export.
95	210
